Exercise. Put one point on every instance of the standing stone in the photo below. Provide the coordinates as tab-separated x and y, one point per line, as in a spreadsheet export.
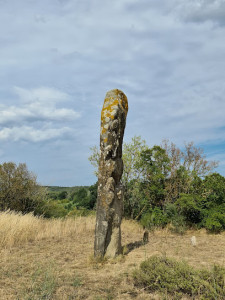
110	190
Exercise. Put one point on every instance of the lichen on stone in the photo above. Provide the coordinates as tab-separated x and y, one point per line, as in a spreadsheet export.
110	200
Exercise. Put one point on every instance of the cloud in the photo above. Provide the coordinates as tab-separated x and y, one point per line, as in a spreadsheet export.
167	56
36	110
201	10
41	94
27	133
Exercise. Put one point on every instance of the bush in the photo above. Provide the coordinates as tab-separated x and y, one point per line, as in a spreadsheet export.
215	220
161	274
19	190
176	220
214	184
62	195
93	189
81	198
155	218
190	207
69	206
54	210
79	212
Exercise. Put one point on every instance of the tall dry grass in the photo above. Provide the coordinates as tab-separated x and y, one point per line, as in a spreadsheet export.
17	229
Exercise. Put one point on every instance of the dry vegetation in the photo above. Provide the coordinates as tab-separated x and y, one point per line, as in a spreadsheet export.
52	259
17	228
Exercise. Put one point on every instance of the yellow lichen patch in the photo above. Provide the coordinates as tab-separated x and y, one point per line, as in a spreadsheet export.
105	140
114	100
103	130
123	97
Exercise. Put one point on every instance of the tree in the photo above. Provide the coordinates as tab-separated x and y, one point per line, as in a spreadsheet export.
154	177
214	189
93	189
131	177
187	168
131	158
81	198
18	189
62	195
94	158
155	165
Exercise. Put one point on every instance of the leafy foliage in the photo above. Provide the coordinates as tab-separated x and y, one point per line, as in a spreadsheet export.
167	185
190	207
155	218
70	201
19	190
161	274
214	220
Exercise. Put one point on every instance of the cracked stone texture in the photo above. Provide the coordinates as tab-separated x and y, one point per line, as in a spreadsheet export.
110	190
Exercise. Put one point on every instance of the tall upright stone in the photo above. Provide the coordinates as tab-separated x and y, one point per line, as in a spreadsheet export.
110	190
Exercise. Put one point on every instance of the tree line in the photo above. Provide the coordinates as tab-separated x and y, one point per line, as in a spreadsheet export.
168	185
163	186
20	191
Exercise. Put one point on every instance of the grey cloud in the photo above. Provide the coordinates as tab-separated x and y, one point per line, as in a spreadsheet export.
28	133
35	112
167	56
44	94
201	10
37	105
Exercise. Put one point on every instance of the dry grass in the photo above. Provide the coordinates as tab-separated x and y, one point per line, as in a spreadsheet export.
17	229
54	261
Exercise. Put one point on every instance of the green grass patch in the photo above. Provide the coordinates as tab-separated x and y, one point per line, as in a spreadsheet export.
42	285
168	276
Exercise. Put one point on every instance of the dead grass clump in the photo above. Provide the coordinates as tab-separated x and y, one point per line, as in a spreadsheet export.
131	226
17	229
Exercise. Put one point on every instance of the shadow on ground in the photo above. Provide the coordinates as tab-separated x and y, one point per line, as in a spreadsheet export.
131	246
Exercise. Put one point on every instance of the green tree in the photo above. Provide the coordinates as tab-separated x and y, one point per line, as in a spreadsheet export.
134	200
214	189
62	195
155	169
158	176
19	190
191	207
93	189
187	168
81	198
131	178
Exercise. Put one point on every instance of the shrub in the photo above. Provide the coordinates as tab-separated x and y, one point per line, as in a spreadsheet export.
54	210
176	220
79	212
19	190
215	220
214	184
62	195
69	206
81	198
93	189
190	207
155	218
161	274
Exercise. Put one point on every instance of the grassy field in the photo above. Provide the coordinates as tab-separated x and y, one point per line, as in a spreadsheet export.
52	259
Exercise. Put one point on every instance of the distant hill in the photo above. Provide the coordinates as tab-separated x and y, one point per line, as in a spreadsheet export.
64	188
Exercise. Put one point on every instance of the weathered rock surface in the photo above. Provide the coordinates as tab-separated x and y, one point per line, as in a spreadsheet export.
110	191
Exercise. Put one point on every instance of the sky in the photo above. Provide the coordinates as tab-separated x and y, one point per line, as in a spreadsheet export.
58	58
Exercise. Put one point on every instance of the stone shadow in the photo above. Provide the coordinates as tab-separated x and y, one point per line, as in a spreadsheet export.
131	246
